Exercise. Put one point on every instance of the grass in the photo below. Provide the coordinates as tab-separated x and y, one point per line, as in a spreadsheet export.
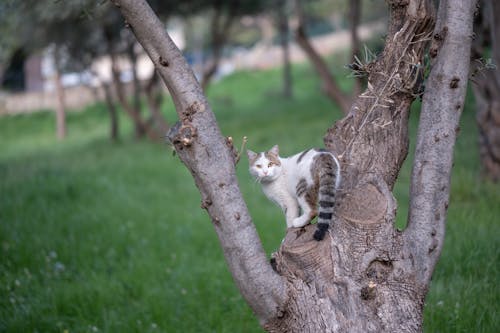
109	237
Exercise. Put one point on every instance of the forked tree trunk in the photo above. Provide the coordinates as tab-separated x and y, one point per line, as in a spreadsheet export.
365	276
486	87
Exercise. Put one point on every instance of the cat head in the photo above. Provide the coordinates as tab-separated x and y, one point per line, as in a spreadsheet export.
265	166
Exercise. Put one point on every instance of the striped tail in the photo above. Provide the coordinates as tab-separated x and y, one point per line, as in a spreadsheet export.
329	180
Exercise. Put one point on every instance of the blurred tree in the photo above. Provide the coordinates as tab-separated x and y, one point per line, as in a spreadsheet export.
34	25
366	276
224	14
80	32
486	86
283	13
61	99
330	86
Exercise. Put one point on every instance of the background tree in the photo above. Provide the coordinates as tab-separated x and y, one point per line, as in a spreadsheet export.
81	32
224	15
329	84
486	87
357	63
283	12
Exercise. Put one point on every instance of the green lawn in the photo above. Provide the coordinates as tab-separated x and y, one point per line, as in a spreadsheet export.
109	237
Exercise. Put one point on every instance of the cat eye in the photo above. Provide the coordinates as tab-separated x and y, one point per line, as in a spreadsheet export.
258	166
270	164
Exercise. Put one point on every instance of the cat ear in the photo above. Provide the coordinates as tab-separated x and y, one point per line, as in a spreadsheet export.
251	155
275	150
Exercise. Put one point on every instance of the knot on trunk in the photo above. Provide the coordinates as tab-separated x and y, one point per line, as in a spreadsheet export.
181	135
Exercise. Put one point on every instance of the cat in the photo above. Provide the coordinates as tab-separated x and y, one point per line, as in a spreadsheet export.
299	183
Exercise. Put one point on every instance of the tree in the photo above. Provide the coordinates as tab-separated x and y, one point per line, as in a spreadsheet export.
61	99
284	36
330	86
365	276
486	87
80	32
224	15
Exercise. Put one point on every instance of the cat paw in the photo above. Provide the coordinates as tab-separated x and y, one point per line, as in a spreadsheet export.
299	222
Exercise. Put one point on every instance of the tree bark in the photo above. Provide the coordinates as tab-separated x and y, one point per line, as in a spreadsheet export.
365	276
330	87
486	87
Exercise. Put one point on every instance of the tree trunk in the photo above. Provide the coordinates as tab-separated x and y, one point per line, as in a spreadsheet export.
113	115
61	98
284	33
365	276
114	128
330	87
486	87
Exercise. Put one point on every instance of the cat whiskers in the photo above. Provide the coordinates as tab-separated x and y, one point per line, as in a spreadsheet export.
257	180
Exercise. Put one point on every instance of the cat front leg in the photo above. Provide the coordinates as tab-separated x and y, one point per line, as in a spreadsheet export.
291	210
308	213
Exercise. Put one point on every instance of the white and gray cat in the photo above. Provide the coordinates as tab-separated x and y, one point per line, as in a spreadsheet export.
299	183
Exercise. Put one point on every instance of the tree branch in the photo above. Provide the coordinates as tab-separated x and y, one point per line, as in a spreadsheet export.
439	118
202	148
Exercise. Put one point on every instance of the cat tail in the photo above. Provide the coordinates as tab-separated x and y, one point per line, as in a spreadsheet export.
329	181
